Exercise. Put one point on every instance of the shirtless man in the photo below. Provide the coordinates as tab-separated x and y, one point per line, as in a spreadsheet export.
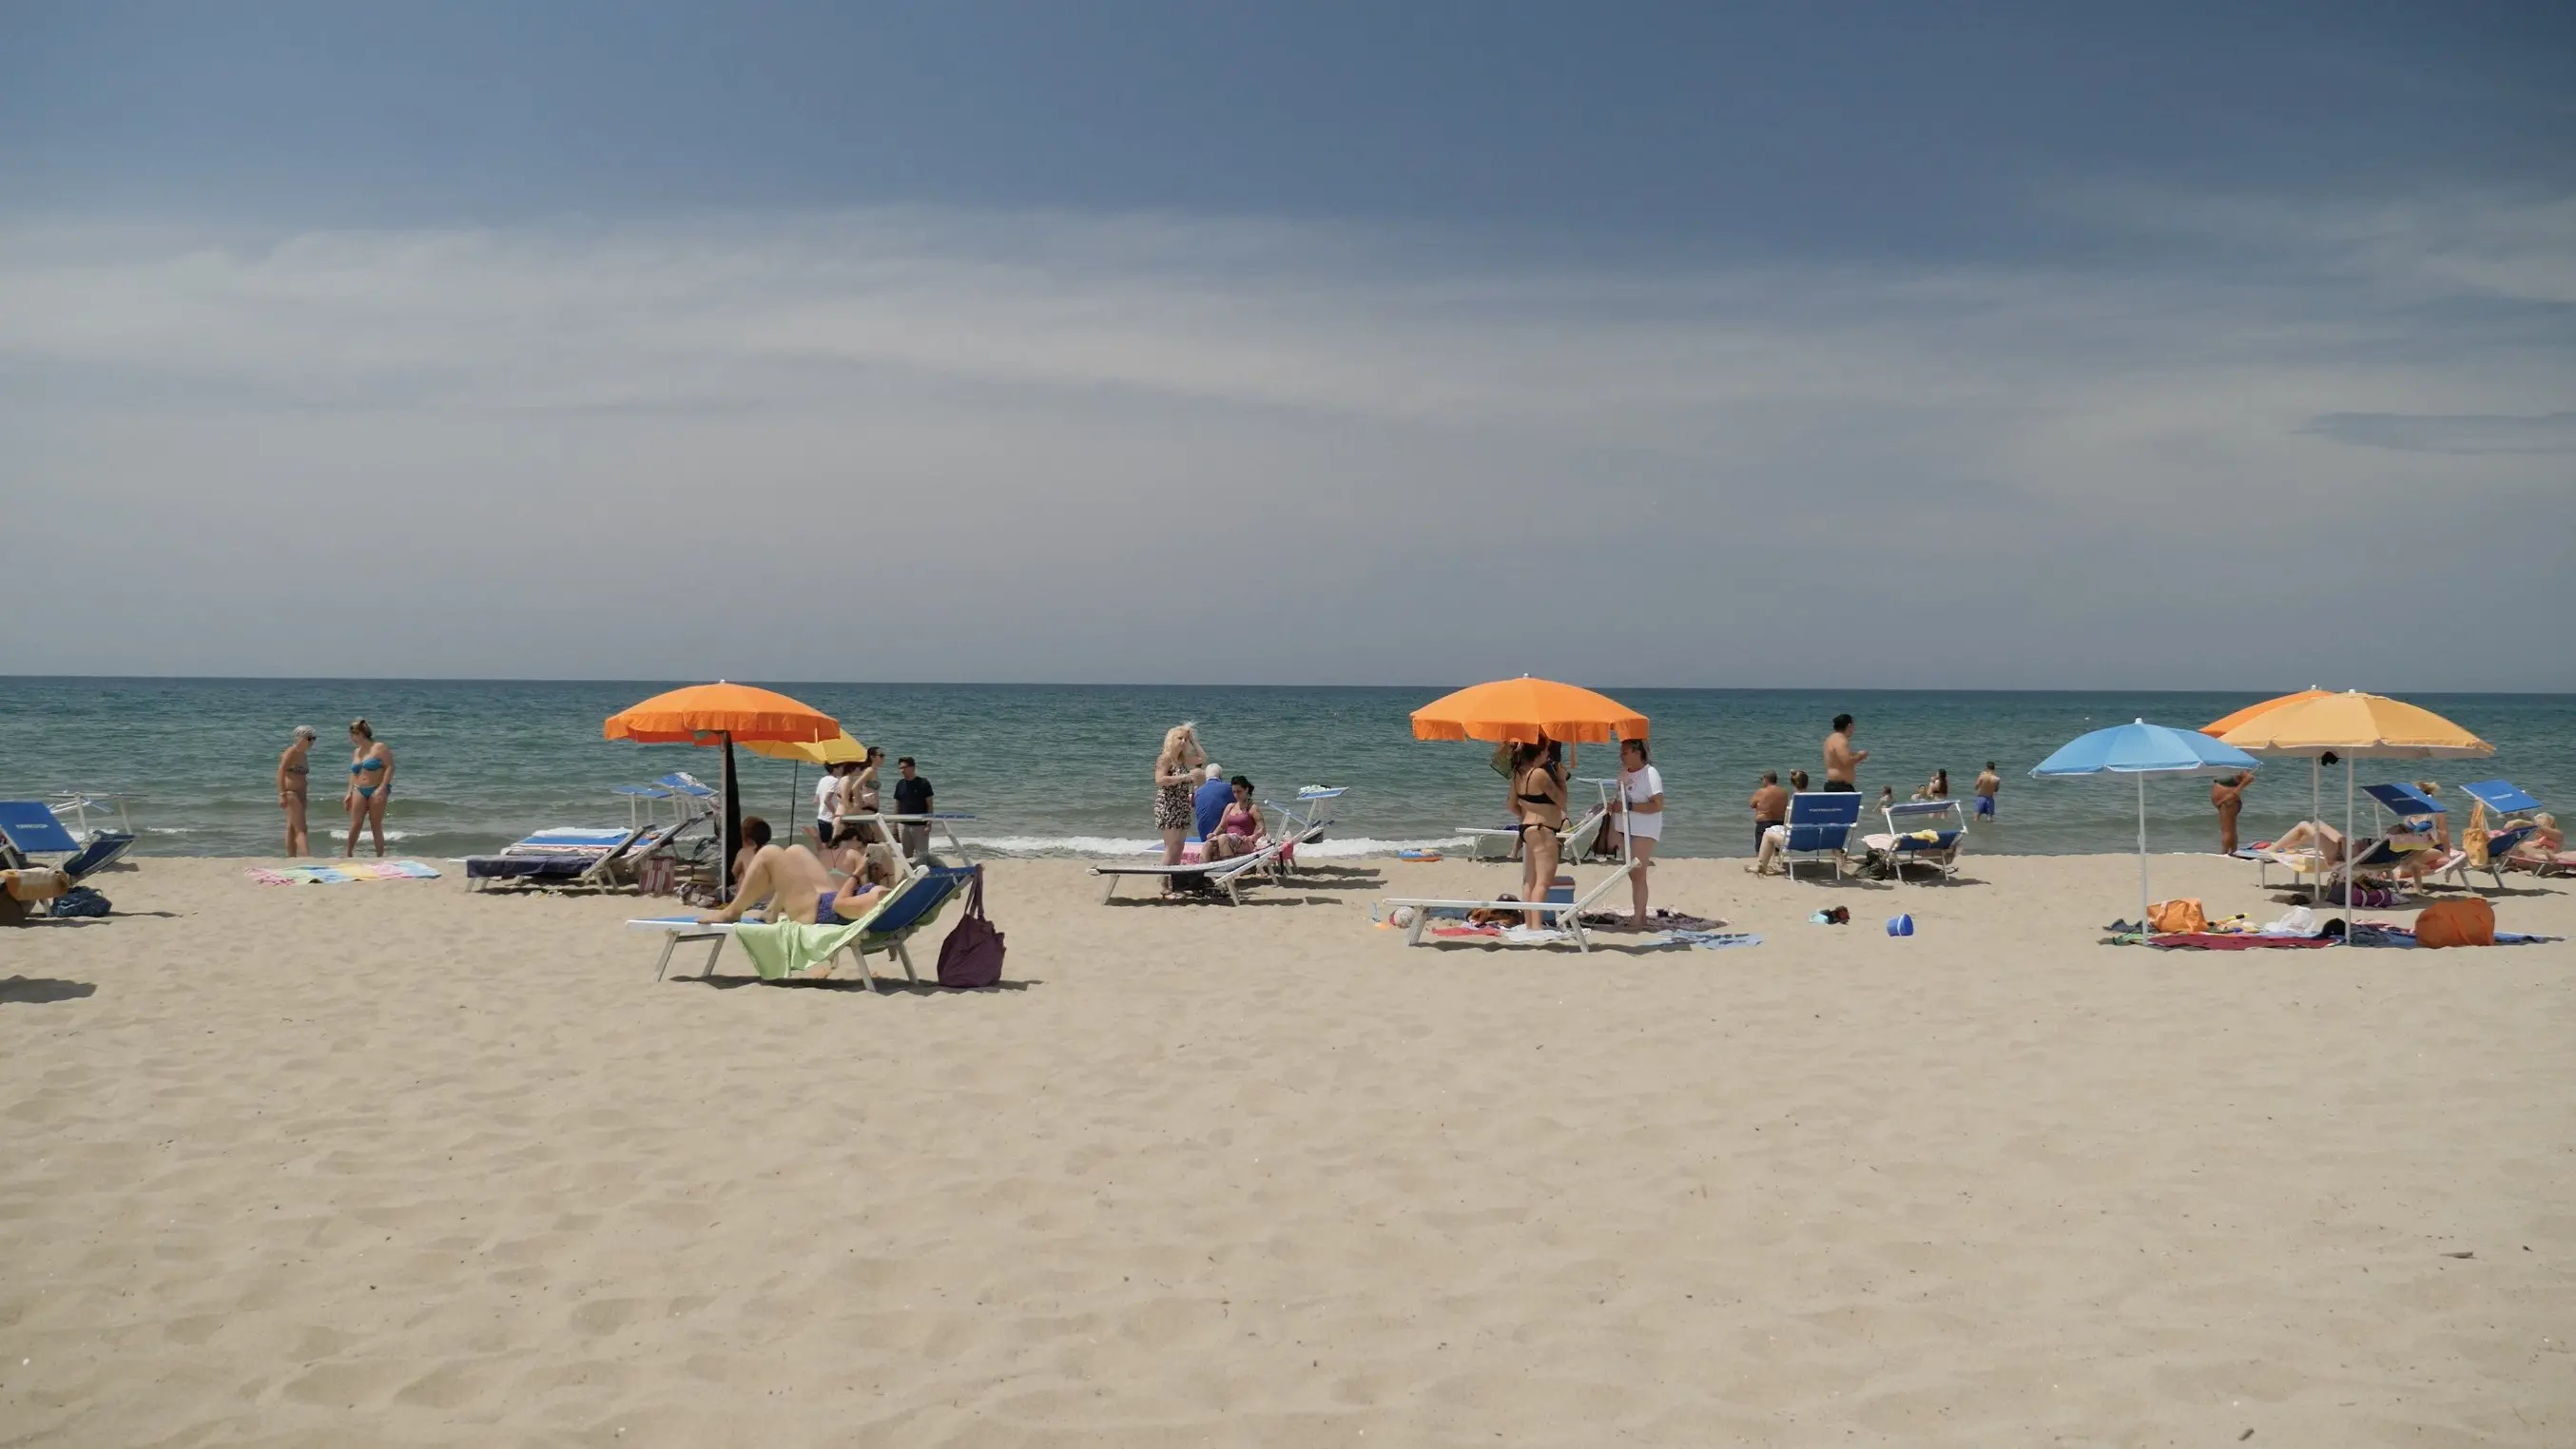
1987	784
1770	806
2227	792
1842	762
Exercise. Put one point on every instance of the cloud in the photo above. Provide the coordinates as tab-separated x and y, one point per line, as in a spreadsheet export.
2455	433
1071	435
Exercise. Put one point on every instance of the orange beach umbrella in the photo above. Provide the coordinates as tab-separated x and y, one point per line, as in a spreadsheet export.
719	714
2221	726
699	713
1520	710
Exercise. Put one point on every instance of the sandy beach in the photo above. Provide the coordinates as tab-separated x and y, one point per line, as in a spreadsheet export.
392	1164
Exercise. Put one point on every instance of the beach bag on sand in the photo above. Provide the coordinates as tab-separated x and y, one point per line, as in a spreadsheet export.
2182	917
2466	922
972	955
82	901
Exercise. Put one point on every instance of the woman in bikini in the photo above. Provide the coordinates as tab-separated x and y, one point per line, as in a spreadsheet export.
1176	771
294	788
371	784
1538	797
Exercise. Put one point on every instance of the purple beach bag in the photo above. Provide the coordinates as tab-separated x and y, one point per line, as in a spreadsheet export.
972	955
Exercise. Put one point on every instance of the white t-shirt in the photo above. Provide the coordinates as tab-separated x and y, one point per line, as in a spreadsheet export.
827	797
1639	786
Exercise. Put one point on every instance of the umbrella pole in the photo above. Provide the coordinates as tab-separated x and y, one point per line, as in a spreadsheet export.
795	777
2347	850
2316	812
2143	928
731	839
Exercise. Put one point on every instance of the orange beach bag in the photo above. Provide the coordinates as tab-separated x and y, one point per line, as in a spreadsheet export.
2469	921
2182	917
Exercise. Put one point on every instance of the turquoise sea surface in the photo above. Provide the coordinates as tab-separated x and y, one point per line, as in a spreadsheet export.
1063	769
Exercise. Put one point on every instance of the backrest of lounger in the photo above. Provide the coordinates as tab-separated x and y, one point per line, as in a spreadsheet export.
2405	801
100	853
1822	819
30	825
2502	796
919	897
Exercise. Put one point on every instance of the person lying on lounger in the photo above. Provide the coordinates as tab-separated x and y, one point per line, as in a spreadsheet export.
2538	850
790	881
2312	836
872	872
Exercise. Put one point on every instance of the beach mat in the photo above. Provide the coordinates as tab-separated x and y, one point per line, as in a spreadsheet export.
347	872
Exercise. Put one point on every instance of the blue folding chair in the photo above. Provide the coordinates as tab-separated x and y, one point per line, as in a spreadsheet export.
1820	823
28	829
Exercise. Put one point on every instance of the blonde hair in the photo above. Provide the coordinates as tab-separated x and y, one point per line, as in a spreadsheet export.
1182	741
881	865
359	726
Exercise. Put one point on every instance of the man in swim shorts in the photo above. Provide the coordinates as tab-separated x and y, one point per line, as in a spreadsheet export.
1842	762
1987	784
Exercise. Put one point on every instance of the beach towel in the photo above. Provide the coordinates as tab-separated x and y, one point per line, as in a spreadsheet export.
2213	941
347	872
1717	940
792	948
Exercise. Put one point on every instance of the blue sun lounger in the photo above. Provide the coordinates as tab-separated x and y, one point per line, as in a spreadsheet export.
916	902
1819	824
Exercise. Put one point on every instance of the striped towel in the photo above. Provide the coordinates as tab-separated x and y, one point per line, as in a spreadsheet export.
344	873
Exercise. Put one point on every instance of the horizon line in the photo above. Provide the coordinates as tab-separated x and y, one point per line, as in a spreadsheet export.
1208	684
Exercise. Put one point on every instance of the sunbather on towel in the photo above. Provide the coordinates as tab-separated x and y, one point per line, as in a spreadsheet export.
790	881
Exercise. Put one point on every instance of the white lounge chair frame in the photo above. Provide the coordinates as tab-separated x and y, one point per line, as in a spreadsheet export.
1945	863
1569	914
1229	873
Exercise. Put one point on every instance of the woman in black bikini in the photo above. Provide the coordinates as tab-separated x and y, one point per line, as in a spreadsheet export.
294	785
1538	797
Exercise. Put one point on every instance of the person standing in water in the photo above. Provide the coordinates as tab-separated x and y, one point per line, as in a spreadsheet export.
371	785
1842	762
2228	794
294	789
1987	784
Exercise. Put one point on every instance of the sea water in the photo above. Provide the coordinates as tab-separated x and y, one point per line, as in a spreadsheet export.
1065	770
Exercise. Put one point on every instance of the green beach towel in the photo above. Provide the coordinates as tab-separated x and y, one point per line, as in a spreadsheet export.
792	948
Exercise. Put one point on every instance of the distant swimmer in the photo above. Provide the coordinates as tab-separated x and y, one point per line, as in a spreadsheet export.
1842	762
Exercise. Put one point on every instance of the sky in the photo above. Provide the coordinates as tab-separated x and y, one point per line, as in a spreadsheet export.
1633	344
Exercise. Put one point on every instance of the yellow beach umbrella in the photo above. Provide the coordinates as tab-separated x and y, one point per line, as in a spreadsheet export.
2355	725
2220	727
822	754
841	751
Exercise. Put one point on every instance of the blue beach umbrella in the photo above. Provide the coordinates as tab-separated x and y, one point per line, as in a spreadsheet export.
2142	749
